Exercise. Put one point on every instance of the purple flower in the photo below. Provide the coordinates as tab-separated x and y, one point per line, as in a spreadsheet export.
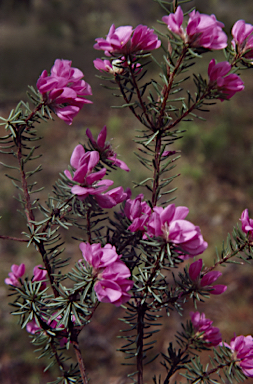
207	279
242	348
138	212
111	198
40	274
204	329
125	41
64	89
112	274
113	284
105	149
174	22
228	85
17	271
202	30
144	39
90	182
99	257
243	38
247	223
169	223
32	327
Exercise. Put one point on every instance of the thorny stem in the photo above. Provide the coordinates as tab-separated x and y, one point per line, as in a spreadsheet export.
30	217
157	161
167	89
88	226
32	114
176	364
28	206
139	96
201	378
117	79
29	213
140	332
189	110
57	358
158	144
226	258
141	310
79	357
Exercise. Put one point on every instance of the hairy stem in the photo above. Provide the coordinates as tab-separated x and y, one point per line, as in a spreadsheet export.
13	239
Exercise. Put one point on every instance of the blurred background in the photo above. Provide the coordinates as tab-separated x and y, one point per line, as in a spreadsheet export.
216	180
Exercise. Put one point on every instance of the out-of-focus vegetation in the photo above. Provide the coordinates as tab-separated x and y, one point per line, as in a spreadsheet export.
216	179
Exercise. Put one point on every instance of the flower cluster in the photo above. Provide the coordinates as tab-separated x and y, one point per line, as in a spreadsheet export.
112	283
168	223
18	271
205	330
64	89
242	349
243	39
207	279
125	41
201	31
228	85
89	182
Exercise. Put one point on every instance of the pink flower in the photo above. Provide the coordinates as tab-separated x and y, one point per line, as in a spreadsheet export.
242	348
40	274
228	85
138	212
210	334
64	89
115	292
17	271
202	30
174	21
32	327
105	149
243	38
207	279
90	181
247	223
113	284
112	274
123	40
99	257
169	223
111	198
144	39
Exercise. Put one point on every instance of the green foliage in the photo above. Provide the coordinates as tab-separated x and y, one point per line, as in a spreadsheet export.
61	311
